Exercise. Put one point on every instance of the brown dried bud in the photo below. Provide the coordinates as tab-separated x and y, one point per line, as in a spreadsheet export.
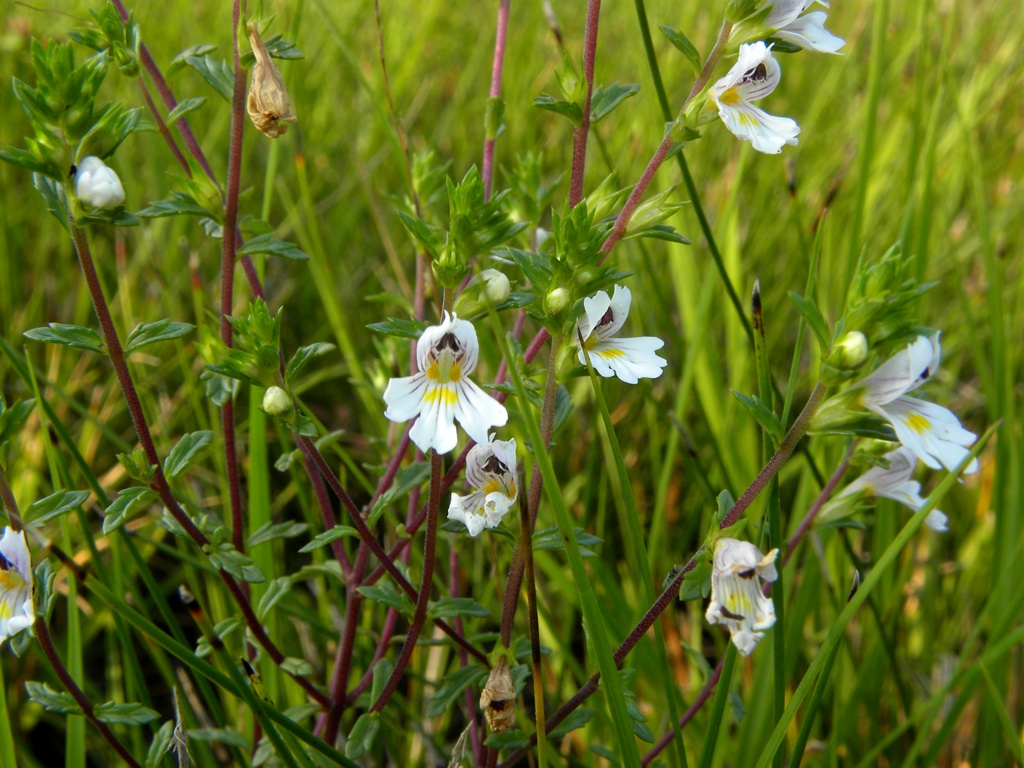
268	101
498	699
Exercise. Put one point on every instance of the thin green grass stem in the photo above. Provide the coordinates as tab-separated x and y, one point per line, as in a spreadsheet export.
707	751
592	617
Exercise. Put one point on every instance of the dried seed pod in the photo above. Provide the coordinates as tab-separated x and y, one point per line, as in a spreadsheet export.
498	698
268	101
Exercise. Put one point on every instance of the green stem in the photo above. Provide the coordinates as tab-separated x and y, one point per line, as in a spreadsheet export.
707	752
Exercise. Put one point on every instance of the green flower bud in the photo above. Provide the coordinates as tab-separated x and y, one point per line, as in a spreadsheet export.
849	352
557	301
496	285
277	402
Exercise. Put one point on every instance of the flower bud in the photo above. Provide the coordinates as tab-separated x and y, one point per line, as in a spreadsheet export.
277	402
849	352
97	185
268	101
496	285
557	301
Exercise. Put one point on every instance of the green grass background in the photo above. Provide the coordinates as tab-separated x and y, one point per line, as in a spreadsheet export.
914	134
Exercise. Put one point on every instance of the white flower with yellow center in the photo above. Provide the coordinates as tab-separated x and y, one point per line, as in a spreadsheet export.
736	597
491	471
629	359
930	431
16	611
754	76
441	391
788	22
893	482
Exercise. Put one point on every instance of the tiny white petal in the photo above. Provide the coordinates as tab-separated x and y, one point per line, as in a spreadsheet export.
16	607
809	32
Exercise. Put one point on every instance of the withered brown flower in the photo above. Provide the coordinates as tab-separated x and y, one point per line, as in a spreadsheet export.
268	103
498	698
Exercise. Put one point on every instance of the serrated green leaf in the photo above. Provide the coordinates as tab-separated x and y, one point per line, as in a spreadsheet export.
186	451
56	202
55	505
513	740
32	162
180	61
660	232
683	45
550	538
607	98
230	560
406	329
160	744
725	505
762	414
448	607
270	531
216	73
361	737
267	244
277	48
44	578
276	590
153	333
302	356
516	300
131	713
421	233
12	419
381	672
117	217
75	336
128	502
567	109
697	582
184	107
179	204
576	719
51	700
453	686
325	538
815	320
385	594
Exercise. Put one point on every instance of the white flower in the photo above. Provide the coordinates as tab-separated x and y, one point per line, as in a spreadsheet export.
97	185
808	31
441	391
894	483
629	359
932	432
491	471
16	610
736	597
753	77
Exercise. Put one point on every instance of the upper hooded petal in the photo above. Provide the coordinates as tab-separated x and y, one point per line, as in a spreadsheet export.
755	74
902	372
594	308
809	32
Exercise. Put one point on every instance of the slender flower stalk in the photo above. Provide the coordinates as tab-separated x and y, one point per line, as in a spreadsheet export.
500	37
582	131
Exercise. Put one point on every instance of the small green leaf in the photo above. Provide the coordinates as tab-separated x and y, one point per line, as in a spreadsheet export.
568	109
55	505
277	48
44	577
125	714
448	607
386	594
227	736
325	538
406	329
56	202
294	666
697	582
230	560
516	740
453	685
184	107
118	217
51	700
421	233
179	204
606	99
160	744
683	45
276	590
181	60
185	452
75	336
725	505
153	333
267	244
550	538
381	672
762	414
361	737
216	73
128	502
815	320
302	356
576	719
660	232
270	531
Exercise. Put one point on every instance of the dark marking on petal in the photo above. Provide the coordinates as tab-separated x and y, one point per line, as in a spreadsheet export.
606	318
495	466
730	615
5	564
748	574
